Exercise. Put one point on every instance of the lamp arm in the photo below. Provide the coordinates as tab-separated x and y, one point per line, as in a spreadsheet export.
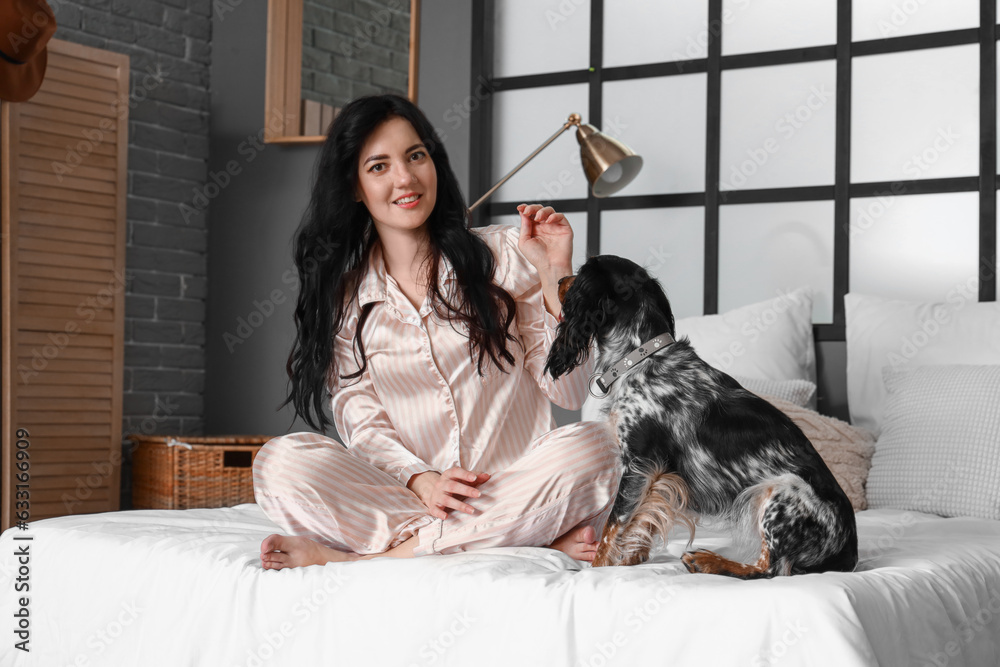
574	120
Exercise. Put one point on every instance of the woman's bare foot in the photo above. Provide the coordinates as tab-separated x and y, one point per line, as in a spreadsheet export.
281	551
579	543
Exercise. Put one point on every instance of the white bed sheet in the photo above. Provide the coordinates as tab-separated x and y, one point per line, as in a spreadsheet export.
168	587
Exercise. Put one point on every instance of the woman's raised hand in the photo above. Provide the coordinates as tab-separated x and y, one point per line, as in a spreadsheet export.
445	491
546	239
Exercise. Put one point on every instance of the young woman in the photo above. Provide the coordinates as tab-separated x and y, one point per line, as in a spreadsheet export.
429	339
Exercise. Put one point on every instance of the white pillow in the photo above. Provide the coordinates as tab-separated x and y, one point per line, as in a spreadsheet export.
770	340
939	450
885	332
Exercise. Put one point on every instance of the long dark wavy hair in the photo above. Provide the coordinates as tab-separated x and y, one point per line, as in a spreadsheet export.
331	254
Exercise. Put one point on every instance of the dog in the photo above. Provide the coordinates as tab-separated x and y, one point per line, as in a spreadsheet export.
696	445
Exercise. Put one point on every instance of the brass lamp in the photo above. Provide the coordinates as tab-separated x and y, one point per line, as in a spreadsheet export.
609	164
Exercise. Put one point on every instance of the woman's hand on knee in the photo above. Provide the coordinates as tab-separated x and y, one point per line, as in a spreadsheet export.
446	491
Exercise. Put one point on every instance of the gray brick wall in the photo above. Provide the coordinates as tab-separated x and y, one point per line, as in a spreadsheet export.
354	47
169	45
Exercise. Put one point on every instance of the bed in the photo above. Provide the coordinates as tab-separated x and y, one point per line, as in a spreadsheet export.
172	587
185	587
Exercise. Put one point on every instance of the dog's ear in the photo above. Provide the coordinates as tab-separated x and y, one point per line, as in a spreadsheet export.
570	349
656	292
575	333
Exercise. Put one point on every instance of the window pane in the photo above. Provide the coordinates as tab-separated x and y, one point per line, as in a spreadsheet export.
663	120
652	31
534	37
915	115
670	243
878	19
520	125
778	126
766	250
916	247
749	27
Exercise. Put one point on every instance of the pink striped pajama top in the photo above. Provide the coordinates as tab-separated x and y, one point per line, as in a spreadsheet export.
421	405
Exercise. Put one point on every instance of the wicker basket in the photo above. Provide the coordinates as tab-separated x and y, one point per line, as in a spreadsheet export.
184	472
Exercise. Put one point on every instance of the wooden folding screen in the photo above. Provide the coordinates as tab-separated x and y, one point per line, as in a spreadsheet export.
63	180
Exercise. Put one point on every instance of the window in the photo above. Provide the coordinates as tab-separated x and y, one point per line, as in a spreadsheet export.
787	143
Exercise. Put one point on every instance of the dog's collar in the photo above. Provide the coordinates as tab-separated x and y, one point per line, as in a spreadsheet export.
634	358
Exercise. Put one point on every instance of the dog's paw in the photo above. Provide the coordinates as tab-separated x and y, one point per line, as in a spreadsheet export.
702	560
637	557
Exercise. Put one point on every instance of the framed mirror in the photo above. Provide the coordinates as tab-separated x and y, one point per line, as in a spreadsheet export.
323	53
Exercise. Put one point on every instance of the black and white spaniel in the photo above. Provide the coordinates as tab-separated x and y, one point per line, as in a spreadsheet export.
696	445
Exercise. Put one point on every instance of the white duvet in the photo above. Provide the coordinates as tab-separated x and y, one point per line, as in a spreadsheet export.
169	587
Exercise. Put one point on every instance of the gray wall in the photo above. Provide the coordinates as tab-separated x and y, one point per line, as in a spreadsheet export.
253	219
169	48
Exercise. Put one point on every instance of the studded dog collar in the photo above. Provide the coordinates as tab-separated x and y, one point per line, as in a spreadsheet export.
634	358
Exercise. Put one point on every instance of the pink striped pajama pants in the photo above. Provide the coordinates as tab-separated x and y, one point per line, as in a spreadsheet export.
312	486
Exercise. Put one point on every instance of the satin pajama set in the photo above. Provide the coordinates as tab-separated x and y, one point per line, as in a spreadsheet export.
421	405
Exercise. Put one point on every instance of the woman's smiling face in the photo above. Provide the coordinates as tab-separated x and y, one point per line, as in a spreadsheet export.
397	181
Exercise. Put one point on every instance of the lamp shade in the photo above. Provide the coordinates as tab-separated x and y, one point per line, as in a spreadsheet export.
609	164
